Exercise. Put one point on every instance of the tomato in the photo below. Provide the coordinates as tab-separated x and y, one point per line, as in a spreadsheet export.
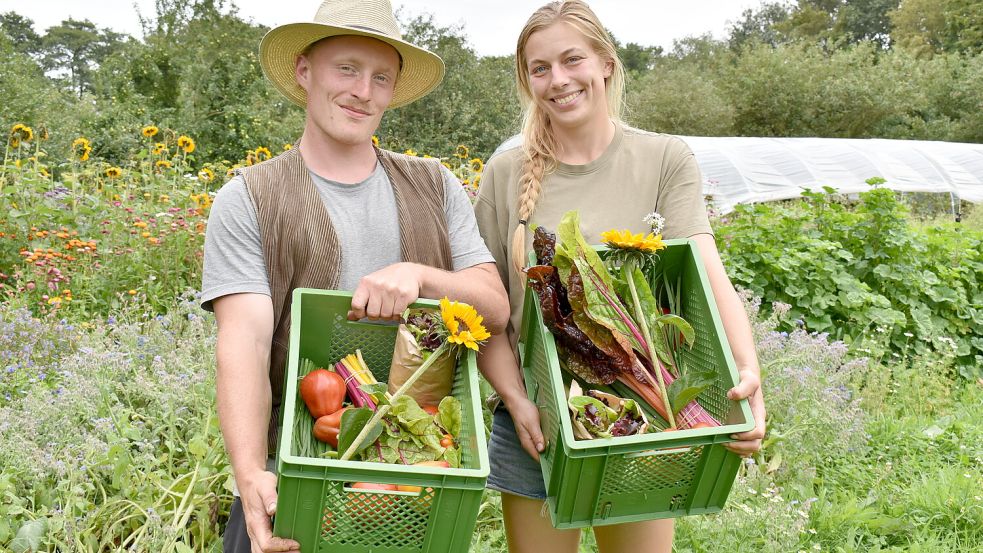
323	392
701	425
408	488
373	486
326	428
430	409
447	440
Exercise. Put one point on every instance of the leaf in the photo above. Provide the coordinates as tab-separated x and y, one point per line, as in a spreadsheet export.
377	391
774	463
198	447
933	432
352	423
411	416
29	536
680	324
183	548
449	415
685	389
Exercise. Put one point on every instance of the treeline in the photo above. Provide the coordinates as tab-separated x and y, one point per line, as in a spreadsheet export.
841	68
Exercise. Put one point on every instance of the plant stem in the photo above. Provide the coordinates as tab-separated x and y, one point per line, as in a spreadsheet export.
629	270
384	409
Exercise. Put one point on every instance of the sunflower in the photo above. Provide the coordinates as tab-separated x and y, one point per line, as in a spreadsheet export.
150	131
462	151
21	133
375	141
206	175
625	240
288	147
464	324
411	152
160	149
263	153
81	148
477	165
163	163
114	172
186	143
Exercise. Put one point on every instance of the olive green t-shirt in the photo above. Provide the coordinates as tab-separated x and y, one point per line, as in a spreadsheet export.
640	172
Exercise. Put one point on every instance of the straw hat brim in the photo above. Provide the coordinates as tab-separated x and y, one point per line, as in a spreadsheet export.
422	70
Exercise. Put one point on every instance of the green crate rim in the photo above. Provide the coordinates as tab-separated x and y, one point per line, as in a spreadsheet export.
367	471
632	444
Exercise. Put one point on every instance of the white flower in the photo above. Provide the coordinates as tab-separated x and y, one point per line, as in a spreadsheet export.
655	221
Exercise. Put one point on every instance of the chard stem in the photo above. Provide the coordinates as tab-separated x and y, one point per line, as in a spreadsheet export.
629	271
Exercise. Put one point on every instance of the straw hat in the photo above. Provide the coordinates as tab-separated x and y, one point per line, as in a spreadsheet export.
420	73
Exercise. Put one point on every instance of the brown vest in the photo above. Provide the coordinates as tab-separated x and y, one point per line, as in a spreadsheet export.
301	249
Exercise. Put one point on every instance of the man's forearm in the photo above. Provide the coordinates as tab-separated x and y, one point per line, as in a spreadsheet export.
479	286
244	401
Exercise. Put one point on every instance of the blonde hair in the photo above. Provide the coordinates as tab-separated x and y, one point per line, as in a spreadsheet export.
539	144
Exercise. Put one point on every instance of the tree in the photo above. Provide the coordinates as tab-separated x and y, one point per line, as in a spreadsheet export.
928	27
20	30
860	20
759	26
77	47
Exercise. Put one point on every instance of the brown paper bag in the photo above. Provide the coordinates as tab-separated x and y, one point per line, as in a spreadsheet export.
434	385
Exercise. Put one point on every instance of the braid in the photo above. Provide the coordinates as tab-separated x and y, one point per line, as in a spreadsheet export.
533	168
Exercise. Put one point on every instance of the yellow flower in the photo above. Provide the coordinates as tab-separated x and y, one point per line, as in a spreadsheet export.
164	198
464	324
445	164
288	147
375	141
206	175
114	172
163	163
410	152
625	240
81	148
186	144
150	131
15	142
462	151
145	234
477	166
22	133
160	148
263	153
132	292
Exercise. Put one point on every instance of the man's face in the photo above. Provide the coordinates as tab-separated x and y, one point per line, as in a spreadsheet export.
349	82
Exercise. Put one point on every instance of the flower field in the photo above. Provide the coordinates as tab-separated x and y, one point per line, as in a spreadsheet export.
109	439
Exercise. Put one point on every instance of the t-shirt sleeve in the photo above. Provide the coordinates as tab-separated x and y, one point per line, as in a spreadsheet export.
233	249
680	198
467	247
486	214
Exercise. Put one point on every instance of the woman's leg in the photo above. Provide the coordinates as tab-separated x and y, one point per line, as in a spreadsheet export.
650	536
529	530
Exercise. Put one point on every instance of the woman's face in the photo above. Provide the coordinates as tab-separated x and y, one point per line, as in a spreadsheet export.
567	77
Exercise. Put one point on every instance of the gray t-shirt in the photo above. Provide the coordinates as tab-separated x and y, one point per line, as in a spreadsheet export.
363	215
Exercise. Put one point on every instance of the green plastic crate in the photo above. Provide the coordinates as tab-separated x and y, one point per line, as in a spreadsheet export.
633	478
316	509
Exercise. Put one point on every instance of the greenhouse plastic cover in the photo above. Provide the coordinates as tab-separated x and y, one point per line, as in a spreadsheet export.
751	169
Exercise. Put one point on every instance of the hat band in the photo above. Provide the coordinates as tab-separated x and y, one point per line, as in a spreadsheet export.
369	29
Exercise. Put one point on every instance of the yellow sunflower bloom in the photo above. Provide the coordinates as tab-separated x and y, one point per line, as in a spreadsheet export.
206	175
411	152
477	165
22	133
462	151
163	163
114	172
186	144
625	240
375	141
150	131
160	149
288	147
464	324
263	153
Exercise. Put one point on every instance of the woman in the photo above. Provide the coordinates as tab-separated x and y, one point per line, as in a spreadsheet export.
577	154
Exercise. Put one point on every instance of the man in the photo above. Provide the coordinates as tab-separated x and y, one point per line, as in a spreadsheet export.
335	213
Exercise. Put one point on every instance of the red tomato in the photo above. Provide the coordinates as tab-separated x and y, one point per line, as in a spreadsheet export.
440	464
447	441
326	428
323	392
430	409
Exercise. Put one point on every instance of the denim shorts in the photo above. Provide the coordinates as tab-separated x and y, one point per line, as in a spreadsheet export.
512	470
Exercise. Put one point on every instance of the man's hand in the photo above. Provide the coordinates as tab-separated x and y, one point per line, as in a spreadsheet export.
525	418
258	495
386	293
749	387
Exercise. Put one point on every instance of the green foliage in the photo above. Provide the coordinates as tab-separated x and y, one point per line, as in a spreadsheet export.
680	99
852	272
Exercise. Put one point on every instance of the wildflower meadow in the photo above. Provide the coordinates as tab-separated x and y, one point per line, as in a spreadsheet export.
109	439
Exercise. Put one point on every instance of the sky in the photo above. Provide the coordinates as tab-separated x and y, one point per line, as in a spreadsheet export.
492	26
